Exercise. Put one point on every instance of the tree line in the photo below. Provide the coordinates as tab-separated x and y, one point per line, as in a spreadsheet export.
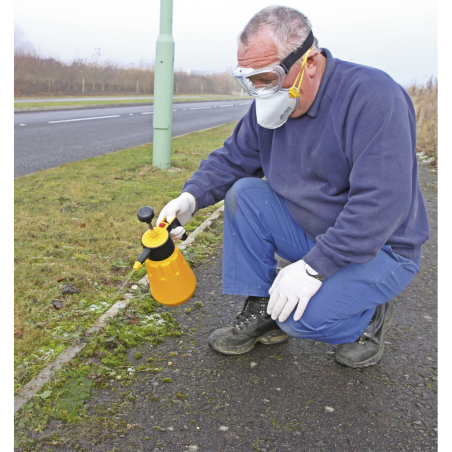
36	75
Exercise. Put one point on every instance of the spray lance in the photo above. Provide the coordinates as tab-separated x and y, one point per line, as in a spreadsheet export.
171	280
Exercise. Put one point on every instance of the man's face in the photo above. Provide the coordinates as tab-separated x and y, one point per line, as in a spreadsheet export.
263	53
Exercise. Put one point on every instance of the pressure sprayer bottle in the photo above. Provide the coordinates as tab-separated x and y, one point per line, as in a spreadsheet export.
171	280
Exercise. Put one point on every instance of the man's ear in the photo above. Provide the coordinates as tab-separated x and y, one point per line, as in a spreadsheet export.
312	62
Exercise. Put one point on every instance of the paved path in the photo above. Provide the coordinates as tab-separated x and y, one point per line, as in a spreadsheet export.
288	397
48	139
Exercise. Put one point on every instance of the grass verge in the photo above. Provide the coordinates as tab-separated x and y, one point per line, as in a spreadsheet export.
425	101
76	224
76	102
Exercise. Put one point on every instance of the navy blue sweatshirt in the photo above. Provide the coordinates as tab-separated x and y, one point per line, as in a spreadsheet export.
347	168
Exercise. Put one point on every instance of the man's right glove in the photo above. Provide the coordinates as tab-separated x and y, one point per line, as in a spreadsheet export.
183	208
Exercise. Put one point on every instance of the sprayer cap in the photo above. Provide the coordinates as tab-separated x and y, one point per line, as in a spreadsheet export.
155	237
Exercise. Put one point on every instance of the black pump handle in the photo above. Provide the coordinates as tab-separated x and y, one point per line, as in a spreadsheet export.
146	215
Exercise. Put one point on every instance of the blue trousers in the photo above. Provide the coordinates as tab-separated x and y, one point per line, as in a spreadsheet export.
257	223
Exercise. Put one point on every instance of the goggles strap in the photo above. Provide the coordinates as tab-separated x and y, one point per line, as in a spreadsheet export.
295	91
287	63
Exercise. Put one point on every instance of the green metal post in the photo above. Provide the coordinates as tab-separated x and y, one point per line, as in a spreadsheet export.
163	88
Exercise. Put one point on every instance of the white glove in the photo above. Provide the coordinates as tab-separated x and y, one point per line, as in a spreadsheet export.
292	286
183	208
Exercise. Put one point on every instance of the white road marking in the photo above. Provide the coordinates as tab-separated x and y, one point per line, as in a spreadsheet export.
221	106
147	113
199	108
130	114
22	124
244	104
84	119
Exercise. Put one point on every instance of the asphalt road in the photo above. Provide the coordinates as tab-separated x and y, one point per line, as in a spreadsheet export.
48	139
76	99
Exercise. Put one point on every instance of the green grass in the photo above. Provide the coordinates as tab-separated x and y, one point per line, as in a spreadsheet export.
77	224
76	102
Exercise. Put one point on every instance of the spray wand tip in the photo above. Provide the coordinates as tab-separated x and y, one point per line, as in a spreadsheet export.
137	265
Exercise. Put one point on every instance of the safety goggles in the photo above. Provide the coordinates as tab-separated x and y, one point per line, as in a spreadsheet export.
267	81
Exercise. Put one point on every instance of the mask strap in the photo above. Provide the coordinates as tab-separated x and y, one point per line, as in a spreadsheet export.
294	92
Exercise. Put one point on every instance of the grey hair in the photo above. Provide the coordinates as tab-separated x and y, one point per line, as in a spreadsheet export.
288	27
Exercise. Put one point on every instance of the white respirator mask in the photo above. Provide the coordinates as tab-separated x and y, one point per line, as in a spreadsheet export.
274	104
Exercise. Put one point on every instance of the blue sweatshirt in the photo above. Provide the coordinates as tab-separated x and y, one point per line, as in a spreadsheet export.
347	168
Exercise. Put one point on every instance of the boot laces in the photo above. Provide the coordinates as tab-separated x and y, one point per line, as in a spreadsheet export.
251	310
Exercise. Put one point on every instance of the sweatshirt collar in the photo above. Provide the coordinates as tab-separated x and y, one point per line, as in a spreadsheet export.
330	63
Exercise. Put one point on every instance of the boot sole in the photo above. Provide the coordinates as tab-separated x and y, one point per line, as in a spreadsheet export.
272	338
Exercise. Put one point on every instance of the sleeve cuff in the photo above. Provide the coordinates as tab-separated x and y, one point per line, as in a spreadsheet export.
320	262
196	191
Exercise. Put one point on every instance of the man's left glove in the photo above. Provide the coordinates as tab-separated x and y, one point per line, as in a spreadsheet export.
292	286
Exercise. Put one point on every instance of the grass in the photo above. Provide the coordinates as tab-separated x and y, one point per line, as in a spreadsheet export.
425	100
76	224
107	101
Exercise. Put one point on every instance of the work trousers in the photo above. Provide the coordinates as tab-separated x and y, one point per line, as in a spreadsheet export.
257	224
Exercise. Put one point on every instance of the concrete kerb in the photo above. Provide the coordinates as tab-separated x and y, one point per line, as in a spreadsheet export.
35	385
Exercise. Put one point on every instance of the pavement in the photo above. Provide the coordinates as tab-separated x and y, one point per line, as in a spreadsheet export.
280	398
46	140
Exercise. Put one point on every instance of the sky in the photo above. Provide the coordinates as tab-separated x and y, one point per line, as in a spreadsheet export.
397	36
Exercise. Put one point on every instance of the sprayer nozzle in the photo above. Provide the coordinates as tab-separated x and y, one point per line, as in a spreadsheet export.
137	265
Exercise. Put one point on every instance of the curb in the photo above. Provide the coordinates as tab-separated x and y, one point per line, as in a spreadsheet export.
34	385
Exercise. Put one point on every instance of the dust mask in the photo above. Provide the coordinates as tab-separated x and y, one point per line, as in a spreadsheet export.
272	112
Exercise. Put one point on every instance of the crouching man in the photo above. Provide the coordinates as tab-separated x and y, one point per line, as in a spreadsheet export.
321	170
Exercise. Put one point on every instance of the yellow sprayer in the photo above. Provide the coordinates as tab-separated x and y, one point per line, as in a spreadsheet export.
171	280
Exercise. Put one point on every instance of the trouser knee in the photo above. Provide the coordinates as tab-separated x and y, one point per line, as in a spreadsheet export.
234	195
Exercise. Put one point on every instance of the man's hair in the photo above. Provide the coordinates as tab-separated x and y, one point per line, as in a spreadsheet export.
287	26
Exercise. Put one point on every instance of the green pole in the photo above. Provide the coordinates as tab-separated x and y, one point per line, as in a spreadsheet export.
163	88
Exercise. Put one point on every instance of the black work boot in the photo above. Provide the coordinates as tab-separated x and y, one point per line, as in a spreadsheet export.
252	325
368	349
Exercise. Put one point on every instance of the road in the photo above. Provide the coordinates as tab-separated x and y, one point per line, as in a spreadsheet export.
48	139
77	99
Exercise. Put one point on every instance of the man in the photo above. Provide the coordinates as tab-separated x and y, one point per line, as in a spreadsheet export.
340	200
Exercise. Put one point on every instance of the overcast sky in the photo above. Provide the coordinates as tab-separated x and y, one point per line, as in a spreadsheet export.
397	36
